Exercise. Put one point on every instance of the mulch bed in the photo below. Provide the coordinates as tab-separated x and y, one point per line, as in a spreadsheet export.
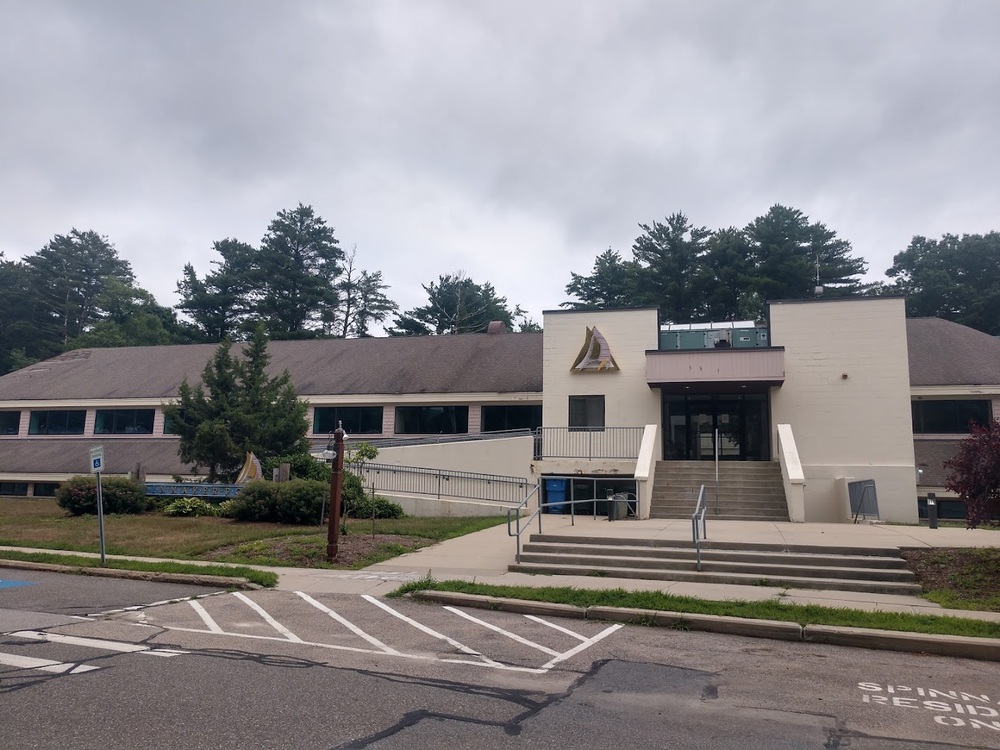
971	573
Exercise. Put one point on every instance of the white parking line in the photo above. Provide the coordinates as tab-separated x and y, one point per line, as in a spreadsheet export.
44	665
206	618
560	628
586	644
501	631
347	624
73	640
424	629
270	620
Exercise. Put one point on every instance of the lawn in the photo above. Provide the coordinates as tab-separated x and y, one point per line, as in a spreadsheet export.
41	523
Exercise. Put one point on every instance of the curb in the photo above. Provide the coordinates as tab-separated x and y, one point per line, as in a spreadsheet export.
194	579
967	647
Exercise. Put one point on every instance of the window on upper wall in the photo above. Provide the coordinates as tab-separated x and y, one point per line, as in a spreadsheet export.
949	417
170	425
124	422
10	422
357	420
432	420
511	417
586	411
57	422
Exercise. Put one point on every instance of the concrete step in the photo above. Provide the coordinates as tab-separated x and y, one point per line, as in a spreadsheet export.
798	582
764	557
723	566
709	544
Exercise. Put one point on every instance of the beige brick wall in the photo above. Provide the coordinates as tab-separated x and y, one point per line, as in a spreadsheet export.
628	400
847	397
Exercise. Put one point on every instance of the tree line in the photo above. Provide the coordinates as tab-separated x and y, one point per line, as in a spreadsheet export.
298	282
694	274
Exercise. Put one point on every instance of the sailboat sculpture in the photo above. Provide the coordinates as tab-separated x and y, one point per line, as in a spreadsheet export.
595	355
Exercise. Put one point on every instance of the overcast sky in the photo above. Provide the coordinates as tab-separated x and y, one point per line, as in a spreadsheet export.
511	139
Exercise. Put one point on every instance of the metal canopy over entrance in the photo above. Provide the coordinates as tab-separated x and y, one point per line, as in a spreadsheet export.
690	421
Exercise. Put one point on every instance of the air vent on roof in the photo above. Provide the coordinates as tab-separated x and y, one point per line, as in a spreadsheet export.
496	327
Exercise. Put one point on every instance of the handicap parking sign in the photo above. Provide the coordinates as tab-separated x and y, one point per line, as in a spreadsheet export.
97	459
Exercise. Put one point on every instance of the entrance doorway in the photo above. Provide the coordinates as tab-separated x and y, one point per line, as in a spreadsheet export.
690	422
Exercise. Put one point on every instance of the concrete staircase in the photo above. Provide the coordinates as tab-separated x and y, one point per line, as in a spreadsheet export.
878	570
748	490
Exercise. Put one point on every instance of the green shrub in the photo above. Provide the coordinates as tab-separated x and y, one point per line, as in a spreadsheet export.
300	466
257	501
362	507
78	495
300	501
189	506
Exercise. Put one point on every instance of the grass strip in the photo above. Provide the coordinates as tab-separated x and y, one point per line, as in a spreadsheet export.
260	577
804	614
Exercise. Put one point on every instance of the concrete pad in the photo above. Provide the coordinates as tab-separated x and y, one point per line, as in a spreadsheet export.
986	649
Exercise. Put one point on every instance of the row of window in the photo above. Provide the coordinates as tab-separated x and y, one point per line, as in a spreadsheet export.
929	417
357	420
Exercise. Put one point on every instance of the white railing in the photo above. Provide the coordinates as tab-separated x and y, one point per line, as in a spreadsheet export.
588	442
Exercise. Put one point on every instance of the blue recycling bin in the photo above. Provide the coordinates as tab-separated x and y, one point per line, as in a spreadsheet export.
555	495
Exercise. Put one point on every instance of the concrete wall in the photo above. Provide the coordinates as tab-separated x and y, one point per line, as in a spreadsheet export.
846	396
506	456
628	400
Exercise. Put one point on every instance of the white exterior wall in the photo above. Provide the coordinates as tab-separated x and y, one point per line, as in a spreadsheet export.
846	396
628	400
507	456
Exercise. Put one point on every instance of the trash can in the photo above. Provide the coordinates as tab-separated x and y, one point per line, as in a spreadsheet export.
617	507
555	495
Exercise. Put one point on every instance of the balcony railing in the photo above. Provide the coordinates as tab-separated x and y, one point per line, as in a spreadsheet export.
588	442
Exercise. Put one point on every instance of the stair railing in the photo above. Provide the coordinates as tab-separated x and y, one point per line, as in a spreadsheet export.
514	519
716	471
699	515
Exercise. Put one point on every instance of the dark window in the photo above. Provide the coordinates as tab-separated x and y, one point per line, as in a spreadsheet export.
124	422
513	417
62	422
19	489
586	411
358	420
170	424
948	417
10	422
45	489
432	420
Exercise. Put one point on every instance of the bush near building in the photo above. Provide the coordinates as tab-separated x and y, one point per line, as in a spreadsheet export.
975	474
302	502
78	495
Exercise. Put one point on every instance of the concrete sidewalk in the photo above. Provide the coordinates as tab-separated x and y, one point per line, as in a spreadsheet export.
484	556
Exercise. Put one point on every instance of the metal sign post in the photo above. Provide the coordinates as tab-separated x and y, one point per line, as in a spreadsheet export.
96	467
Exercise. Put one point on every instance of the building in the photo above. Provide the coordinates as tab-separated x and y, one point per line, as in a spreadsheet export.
824	394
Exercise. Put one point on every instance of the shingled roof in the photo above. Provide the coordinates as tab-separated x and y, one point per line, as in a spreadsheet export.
945	353
469	363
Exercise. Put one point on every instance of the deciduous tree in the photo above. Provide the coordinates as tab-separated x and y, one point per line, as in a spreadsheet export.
957	278
975	474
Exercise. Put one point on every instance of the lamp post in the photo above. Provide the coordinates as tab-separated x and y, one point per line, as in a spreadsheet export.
335	451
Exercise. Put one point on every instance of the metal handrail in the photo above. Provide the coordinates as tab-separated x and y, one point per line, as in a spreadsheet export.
588	442
442	482
527	522
716	471
699	514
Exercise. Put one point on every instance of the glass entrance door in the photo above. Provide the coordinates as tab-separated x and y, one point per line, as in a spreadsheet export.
690	423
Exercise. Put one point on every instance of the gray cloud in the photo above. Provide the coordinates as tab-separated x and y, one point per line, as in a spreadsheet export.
512	140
